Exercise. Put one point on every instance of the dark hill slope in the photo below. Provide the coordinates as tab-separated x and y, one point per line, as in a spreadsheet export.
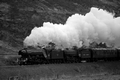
18	17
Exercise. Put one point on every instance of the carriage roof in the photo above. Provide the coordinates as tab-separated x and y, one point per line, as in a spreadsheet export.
103	48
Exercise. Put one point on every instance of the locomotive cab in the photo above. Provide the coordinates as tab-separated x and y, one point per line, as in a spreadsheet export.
85	54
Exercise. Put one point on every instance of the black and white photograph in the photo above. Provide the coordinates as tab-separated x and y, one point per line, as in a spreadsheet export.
59	39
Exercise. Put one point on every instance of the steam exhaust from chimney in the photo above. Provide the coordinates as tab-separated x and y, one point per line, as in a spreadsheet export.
96	26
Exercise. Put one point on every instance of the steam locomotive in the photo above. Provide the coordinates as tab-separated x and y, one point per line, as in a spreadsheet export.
47	56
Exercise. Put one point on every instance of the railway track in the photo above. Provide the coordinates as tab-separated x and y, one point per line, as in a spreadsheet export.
58	63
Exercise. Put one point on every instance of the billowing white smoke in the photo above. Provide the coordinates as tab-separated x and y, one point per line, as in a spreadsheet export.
96	26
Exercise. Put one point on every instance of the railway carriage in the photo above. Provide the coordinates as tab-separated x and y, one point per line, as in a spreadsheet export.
104	54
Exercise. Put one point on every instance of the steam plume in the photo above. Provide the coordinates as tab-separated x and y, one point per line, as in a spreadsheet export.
96	26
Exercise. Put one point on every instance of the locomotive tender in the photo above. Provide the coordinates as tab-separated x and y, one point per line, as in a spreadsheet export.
44	55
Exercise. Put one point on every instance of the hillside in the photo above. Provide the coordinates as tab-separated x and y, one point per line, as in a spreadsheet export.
19	17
